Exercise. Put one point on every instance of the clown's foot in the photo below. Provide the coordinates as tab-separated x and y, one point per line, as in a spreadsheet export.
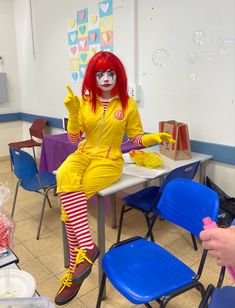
84	261
68	290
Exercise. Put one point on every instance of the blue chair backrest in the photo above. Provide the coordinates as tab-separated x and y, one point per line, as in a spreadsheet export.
185	203
224	297
24	165
184	172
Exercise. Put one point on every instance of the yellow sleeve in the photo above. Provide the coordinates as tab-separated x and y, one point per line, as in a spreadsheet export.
134	125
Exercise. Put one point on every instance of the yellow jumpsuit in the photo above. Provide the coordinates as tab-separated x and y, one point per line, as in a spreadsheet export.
98	162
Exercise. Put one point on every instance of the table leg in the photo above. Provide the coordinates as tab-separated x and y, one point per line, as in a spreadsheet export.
113	211
101	236
202	172
65	246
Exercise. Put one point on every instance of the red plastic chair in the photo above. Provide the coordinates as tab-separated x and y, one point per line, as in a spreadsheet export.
35	131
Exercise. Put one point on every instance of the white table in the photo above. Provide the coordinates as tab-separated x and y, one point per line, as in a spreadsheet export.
128	181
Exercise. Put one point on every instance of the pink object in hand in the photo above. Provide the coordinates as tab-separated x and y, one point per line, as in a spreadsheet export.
208	224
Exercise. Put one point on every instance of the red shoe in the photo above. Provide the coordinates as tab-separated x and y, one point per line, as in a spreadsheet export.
84	261
67	291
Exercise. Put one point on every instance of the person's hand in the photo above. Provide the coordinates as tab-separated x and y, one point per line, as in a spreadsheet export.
71	102
220	243
150	139
166	137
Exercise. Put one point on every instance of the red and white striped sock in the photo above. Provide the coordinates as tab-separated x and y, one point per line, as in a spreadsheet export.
73	243
75	206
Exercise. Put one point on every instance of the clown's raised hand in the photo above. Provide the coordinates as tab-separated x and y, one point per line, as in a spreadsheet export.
71	102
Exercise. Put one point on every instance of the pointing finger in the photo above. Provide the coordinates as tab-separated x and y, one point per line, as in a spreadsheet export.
69	90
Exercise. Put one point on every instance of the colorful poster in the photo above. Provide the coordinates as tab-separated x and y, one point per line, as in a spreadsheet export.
88	34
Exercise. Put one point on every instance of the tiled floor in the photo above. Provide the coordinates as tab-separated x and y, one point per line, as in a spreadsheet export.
43	258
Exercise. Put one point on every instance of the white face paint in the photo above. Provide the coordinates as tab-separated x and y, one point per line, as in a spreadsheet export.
106	81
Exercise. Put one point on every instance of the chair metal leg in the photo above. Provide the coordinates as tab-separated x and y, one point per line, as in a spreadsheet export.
11	160
101	290
200	288
162	305
42	213
65	246
49	202
46	192
15	196
194	242
148	225
221	277
207	295
34	155
120	223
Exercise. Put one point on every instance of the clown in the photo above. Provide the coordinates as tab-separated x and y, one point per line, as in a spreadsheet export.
104	113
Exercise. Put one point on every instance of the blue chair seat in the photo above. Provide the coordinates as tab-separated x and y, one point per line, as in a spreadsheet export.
144	199
38	181
143	271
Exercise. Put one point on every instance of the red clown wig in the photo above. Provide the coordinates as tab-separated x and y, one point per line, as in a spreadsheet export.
102	61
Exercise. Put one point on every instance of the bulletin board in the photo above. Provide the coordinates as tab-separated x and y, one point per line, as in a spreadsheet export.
87	34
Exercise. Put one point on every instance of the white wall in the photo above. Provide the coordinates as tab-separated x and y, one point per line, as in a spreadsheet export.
9	55
169	92
10	66
199	93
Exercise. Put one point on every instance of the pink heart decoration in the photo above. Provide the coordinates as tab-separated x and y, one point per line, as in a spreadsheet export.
81	15
93	36
73	49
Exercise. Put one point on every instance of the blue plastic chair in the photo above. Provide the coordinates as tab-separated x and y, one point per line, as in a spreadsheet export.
146	199
36	133
217	297
25	168
143	271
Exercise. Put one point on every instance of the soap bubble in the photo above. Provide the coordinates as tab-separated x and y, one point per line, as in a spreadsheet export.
225	46
199	37
165	86
208	55
193	57
160	57
192	76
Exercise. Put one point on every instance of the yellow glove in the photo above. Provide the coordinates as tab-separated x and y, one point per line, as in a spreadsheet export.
150	139
72	104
